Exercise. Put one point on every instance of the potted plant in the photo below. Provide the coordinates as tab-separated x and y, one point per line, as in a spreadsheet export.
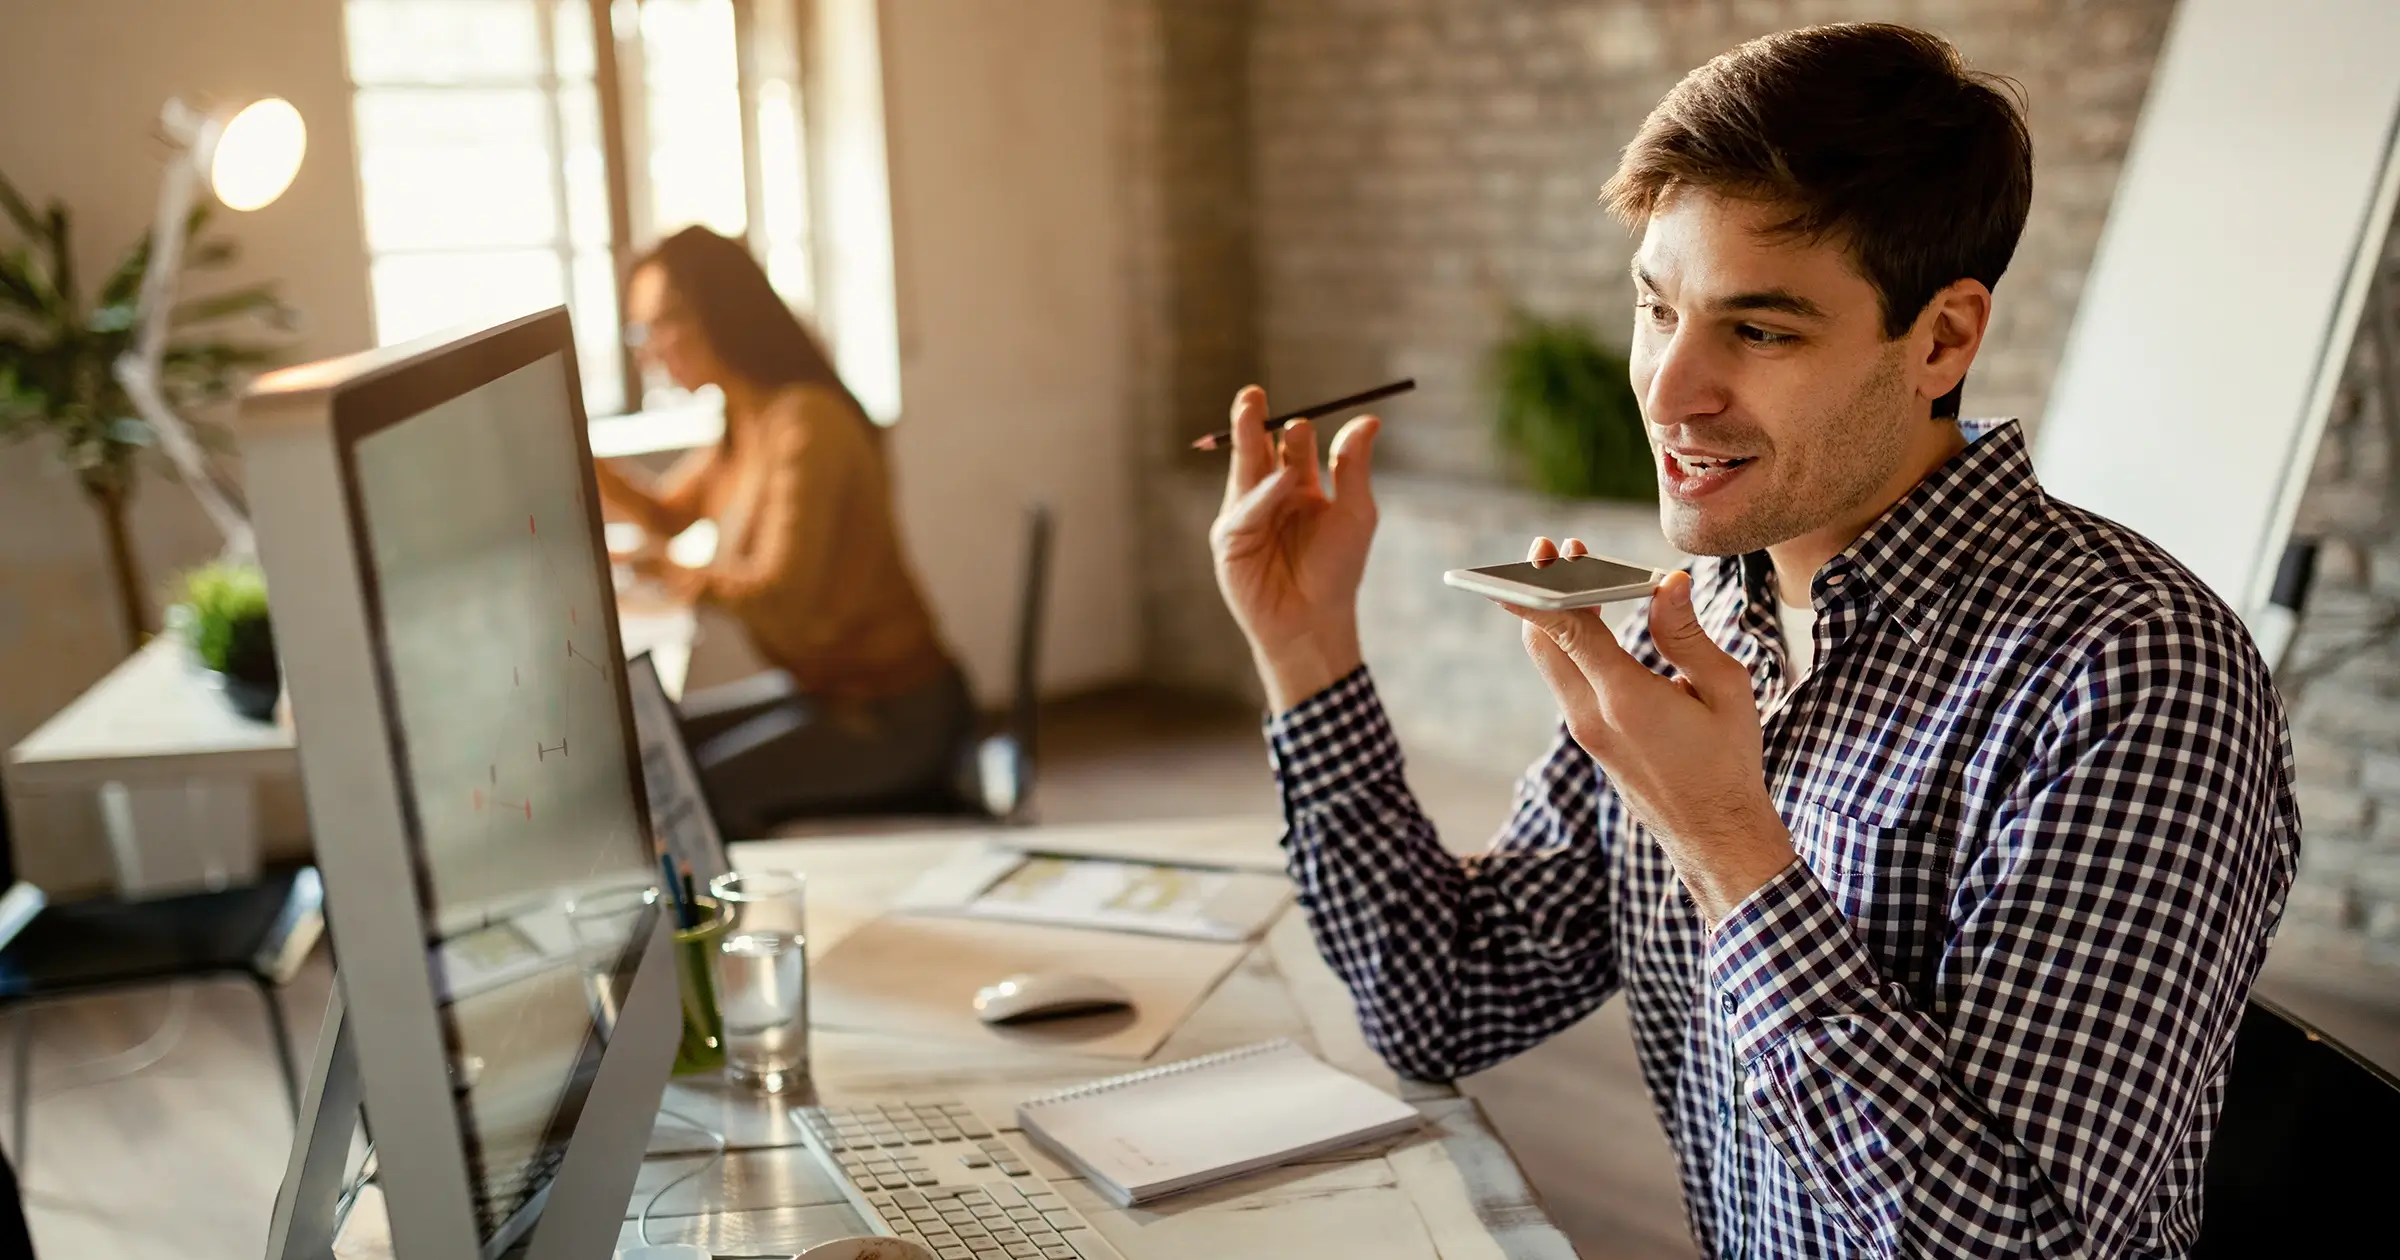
1567	413
223	616
57	351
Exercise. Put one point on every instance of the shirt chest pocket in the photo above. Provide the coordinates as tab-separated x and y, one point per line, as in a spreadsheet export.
1891	883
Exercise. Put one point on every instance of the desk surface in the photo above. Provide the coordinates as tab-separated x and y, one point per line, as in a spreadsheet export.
157	717
1449	1191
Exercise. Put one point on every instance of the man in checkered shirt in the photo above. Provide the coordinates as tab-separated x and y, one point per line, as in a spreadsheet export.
1933	829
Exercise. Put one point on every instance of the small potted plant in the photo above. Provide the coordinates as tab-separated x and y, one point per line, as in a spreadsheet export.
1567	416
224	618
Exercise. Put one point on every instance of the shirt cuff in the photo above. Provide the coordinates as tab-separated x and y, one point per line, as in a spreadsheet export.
1786	958
1331	742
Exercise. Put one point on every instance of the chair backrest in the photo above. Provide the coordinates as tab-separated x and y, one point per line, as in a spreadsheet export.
1025	705
2307	1150
8	844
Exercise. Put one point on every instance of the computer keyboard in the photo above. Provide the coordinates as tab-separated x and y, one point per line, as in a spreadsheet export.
936	1173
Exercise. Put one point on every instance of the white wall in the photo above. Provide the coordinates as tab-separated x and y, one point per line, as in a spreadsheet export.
78	102
1012	317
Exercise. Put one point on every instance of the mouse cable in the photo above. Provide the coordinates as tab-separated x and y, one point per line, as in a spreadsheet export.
717	1143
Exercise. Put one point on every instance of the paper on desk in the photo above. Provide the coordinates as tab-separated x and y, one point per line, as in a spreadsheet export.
917	976
1094	891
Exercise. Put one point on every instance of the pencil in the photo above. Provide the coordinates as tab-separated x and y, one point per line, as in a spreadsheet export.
1224	439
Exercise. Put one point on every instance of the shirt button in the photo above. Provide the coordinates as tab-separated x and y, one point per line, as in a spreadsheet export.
1724	1112
1726	1003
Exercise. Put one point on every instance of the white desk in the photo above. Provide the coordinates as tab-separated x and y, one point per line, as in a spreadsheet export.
1450	1191
176	769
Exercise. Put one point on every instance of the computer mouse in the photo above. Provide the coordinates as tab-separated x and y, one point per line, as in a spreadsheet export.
1045	994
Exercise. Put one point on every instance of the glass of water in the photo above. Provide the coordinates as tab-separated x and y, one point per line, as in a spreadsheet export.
602	923
762	978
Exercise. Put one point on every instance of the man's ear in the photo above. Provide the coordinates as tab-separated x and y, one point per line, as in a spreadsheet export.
1948	333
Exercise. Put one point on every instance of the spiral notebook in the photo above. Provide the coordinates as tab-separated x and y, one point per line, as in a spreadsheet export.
1171	1128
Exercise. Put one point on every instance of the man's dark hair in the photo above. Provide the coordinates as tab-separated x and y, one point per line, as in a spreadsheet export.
1875	135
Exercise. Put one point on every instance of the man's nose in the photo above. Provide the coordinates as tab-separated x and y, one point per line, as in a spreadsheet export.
1687	379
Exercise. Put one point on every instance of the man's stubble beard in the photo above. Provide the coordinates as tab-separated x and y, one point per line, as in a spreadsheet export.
1852	451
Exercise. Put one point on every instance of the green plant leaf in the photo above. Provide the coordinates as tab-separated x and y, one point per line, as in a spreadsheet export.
228	603
257	299
20	212
56	363
23	289
210	254
1566	412
62	258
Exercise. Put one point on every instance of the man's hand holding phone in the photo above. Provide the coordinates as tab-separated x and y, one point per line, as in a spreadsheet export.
1289	555
1686	753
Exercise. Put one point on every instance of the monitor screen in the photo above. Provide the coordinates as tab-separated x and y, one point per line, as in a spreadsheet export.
679	812
492	600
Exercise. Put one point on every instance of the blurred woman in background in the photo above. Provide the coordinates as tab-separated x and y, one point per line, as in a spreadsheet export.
864	706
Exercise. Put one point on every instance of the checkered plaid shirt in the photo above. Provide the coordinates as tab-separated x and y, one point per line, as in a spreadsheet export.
2039	781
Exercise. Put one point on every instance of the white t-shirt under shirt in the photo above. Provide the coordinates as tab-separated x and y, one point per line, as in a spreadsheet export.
1799	635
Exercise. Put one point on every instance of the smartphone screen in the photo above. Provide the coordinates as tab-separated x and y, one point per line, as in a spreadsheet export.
1569	575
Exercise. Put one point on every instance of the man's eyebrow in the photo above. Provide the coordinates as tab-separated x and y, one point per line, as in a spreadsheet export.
1779	301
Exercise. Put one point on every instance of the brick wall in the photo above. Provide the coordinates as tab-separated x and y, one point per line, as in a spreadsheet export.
2343	685
1329	193
1421	166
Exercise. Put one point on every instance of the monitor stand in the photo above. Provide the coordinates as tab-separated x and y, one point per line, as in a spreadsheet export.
593	1182
308	1208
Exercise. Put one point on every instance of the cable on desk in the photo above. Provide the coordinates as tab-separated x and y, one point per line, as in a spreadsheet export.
642	1225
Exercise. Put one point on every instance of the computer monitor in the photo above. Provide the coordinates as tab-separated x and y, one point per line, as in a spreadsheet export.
679	808
431	536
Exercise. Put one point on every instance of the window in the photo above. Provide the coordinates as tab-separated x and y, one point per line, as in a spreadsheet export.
513	155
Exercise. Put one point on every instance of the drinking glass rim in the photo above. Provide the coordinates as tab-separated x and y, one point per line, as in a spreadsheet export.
757	885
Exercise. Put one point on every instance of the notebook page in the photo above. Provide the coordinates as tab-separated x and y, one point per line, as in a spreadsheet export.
1243	1113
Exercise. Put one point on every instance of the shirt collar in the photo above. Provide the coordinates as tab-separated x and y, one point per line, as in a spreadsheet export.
1913	556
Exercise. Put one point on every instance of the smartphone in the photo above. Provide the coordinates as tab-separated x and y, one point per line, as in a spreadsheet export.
1565	582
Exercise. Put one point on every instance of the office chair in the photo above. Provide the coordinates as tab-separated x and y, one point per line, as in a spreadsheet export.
259	933
988	776
996	779
2305	1153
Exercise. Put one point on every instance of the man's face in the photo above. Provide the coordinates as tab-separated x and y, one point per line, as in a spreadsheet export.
1775	407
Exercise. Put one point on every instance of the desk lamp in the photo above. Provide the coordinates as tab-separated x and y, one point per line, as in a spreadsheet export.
247	153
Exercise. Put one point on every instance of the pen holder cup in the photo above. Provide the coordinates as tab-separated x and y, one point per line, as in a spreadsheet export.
703	1046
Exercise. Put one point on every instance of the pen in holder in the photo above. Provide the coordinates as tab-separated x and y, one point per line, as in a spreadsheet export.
703	1046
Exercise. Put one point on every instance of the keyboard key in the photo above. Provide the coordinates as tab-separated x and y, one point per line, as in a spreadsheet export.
968	1126
1058	1251
1013	1168
1043	1201
1023	1214
921	1177
1024	1251
975	1159
1062	1220
956	1253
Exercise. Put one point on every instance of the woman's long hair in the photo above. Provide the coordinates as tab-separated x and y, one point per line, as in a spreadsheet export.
745	322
